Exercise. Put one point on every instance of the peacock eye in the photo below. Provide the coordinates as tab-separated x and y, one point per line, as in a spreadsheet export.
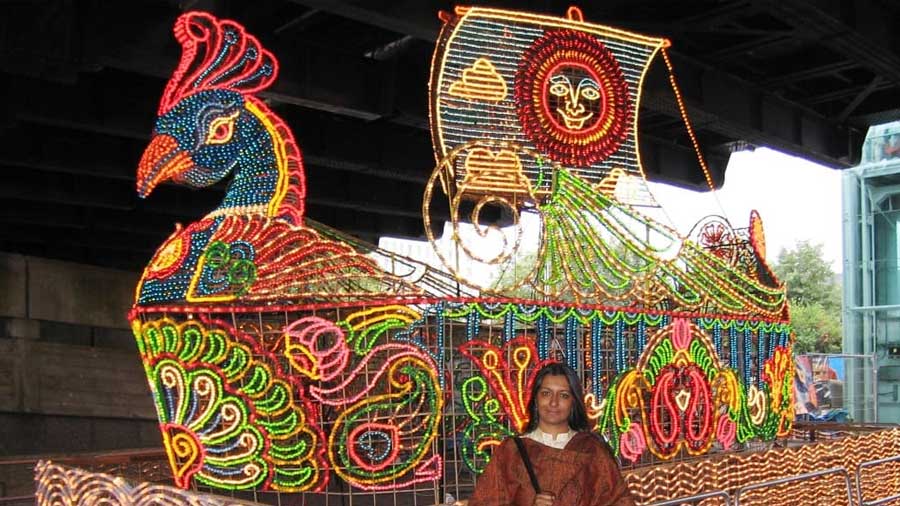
221	129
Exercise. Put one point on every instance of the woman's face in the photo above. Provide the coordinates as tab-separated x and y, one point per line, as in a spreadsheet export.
554	404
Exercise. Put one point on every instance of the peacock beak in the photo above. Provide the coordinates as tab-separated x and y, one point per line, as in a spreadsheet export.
162	160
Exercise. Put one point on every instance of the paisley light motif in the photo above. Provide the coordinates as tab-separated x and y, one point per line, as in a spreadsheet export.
228	418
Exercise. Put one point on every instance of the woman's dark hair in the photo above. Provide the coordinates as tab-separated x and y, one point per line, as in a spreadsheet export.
578	419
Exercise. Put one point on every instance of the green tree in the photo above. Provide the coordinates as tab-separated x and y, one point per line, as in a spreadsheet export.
815	297
817	329
516	269
809	278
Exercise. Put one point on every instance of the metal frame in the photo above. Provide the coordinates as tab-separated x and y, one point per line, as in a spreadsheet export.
799	477
698	497
872	463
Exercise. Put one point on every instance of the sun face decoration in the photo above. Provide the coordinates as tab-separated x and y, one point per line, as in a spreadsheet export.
572	98
572	93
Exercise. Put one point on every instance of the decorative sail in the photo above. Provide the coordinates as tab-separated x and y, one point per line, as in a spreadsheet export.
563	88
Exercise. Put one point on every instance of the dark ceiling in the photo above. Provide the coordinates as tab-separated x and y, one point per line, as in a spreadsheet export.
82	80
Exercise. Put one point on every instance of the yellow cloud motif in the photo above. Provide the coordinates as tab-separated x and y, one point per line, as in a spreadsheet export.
481	81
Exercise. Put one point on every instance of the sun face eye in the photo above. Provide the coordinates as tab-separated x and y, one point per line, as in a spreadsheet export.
559	89
589	89
590	93
221	129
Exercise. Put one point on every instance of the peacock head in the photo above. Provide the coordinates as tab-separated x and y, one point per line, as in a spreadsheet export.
209	117
201	140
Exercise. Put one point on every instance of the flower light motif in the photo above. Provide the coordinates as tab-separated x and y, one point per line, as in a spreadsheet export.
316	348
681	334
726	431
632	443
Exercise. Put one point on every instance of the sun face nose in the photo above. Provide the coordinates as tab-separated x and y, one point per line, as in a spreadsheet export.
162	160
573	102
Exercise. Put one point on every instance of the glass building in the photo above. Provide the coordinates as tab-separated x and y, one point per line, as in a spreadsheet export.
871	271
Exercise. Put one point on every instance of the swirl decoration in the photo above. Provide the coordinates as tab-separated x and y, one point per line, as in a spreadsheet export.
768	411
484	431
509	382
492	180
226	268
572	98
316	348
388	419
59	485
366	327
228	416
778	374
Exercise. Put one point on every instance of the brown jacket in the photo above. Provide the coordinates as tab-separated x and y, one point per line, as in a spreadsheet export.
582	474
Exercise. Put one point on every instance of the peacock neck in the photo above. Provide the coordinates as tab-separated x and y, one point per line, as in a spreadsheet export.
260	175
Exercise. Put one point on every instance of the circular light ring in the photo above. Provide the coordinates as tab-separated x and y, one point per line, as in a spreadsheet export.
594	140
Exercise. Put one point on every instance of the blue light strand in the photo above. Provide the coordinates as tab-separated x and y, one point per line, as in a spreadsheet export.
439	313
250	55
473	324
264	70
717	339
619	333
760	356
596	357
572	342
641	335
747	350
509	326
543	330
229	39
732	348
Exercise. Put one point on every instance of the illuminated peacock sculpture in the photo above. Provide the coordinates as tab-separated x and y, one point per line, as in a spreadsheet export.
286	356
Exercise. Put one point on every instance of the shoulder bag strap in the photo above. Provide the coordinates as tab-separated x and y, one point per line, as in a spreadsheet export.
528	467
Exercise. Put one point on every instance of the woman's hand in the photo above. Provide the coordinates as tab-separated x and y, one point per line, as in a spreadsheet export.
544	500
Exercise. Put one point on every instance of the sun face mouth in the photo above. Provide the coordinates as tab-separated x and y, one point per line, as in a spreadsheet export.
574	122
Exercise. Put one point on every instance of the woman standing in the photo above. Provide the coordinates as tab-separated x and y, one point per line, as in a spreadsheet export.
571	465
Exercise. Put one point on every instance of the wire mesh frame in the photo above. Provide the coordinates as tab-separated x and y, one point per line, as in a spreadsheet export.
458	478
858	386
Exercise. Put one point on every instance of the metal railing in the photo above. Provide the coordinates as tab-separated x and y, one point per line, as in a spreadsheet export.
799	477
859	492
690	499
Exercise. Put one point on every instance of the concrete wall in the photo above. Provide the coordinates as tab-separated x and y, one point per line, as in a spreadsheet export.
74	380
51	290
71	379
